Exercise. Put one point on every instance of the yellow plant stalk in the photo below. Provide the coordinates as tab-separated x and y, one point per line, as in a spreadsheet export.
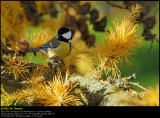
135	12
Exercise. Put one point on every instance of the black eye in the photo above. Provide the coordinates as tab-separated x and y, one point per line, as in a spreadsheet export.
63	30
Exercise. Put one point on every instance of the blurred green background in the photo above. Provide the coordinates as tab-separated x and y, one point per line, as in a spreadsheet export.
145	65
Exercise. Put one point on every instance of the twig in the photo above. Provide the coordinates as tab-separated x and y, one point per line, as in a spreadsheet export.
114	5
156	40
137	84
156	12
12	83
150	46
3	61
6	50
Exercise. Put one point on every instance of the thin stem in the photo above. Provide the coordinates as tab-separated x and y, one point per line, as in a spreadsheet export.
137	84
114	5
156	40
6	50
150	46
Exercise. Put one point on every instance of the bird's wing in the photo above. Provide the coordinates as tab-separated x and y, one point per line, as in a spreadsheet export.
53	43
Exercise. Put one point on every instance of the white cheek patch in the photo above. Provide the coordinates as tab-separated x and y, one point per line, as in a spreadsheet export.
67	35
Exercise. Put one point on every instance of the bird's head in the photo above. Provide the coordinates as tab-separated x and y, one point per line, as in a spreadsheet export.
64	34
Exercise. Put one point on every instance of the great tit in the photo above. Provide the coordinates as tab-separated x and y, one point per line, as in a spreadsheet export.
59	46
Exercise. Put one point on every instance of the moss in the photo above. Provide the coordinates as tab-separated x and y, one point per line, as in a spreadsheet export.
95	90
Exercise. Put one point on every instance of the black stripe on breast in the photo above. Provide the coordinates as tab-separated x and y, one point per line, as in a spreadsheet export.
60	38
70	46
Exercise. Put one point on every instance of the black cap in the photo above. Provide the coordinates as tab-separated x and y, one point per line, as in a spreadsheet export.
63	30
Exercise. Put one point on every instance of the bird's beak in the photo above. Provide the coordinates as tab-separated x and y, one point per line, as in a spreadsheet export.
57	36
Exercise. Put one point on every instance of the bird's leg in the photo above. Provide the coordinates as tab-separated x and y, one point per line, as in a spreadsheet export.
61	64
55	63
18	53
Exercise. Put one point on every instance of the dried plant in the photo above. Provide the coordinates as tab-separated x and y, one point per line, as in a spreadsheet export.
16	65
147	21
54	93
39	38
136	12
119	44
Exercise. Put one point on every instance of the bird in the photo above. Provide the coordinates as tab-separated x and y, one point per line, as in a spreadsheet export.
59	45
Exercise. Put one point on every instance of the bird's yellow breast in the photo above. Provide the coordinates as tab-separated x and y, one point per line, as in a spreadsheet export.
61	51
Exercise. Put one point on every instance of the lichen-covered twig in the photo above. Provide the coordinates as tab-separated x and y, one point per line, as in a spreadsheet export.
137	84
95	91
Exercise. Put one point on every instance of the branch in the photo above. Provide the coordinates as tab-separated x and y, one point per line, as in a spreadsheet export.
96	92
5	50
13	83
137	84
150	46
114	5
156	40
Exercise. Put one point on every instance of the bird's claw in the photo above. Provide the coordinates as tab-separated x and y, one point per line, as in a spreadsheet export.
55	63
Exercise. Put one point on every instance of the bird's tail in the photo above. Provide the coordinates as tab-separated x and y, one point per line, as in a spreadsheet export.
33	49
